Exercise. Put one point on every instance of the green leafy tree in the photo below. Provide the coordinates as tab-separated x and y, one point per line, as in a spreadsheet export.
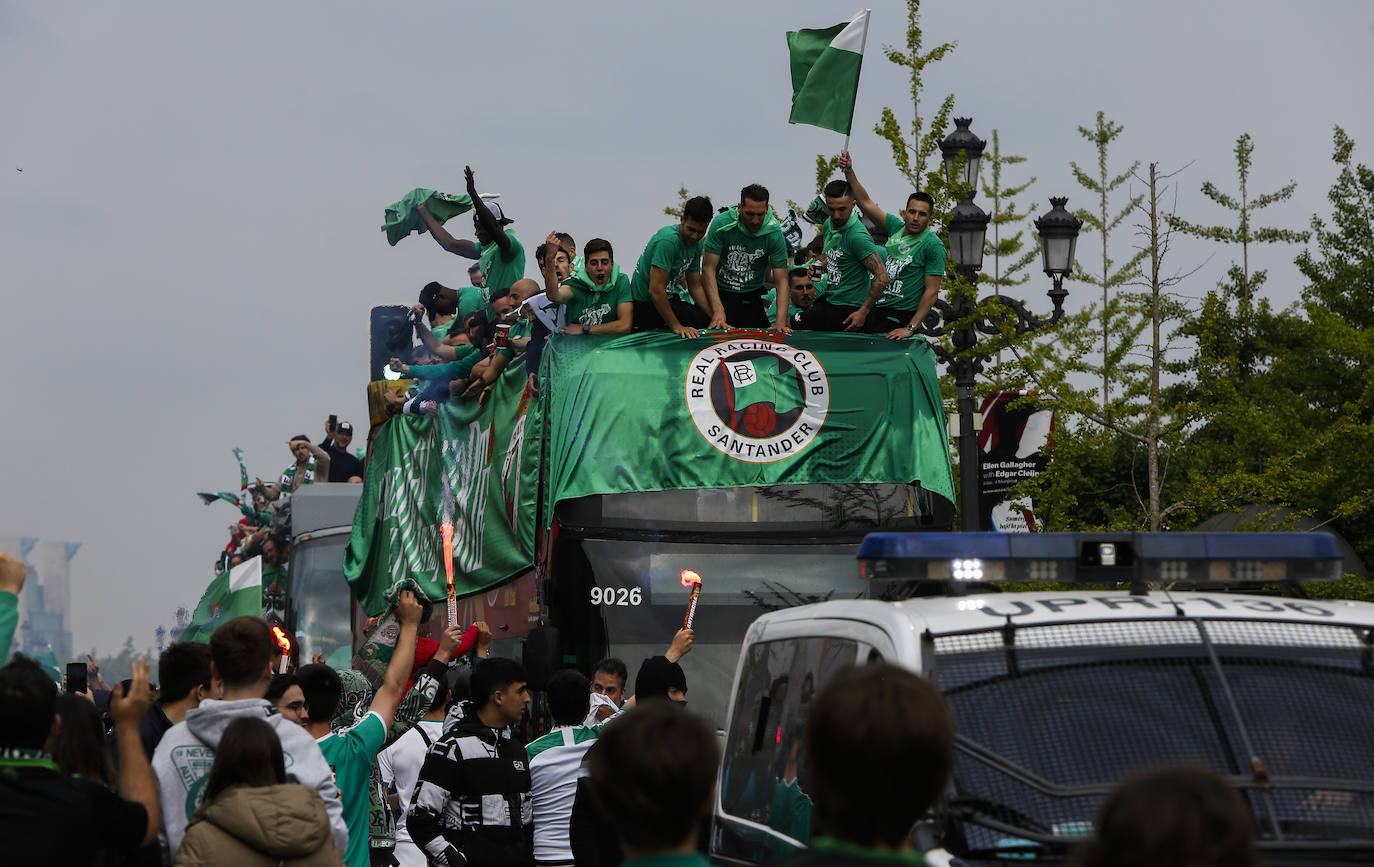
913	148
119	666
1109	468
1237	337
1119	328
1332	475
675	209
1317	411
1006	248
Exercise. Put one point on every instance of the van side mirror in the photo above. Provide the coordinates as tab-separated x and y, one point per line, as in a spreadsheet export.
542	655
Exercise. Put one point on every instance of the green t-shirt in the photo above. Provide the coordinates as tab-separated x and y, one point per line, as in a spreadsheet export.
846	249
668	251
746	261
471	299
910	259
350	753
441	331
592	307
500	270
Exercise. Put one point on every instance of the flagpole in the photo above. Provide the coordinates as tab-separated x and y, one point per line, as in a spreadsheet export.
863	48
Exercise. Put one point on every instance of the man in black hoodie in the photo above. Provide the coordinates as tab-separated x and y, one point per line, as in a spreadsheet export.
472	800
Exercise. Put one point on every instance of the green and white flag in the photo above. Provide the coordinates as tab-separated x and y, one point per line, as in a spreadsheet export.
825	73
231	594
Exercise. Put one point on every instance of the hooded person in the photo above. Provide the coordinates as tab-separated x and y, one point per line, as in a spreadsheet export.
745	253
659	677
241	658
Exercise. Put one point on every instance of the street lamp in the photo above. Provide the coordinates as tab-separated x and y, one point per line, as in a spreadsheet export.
966	318
1058	234
962	140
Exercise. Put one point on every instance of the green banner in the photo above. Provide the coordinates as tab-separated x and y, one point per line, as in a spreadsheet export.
651	412
396	534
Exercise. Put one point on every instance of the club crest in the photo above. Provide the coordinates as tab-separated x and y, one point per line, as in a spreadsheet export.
756	400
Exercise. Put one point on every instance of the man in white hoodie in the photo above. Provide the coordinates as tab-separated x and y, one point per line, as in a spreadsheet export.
241	661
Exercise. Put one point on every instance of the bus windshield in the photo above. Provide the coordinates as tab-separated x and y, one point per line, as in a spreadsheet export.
322	608
630	596
780	509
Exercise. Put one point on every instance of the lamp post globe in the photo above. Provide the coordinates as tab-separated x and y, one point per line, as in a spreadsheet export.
1058	236
962	140
968	229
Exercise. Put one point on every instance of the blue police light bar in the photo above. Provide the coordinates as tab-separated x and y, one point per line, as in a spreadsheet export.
1145	559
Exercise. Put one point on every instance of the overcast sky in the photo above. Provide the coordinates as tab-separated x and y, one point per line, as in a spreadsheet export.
188	257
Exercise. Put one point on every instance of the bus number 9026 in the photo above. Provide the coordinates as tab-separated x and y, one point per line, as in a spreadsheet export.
621	596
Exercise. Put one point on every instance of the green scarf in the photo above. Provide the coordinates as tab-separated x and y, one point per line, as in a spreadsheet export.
832	237
11	759
770	225
290	473
900	244
582	280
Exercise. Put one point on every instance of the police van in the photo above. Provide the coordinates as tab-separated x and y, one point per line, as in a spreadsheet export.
1181	648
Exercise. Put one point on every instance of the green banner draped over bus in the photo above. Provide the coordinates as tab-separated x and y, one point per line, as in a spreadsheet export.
640	412
651	411
396	535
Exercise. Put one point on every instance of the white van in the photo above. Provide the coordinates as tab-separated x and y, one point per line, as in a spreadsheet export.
1202	649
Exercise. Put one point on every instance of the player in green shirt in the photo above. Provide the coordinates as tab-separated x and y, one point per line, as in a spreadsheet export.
596	296
857	275
801	291
501	255
915	257
743	253
351	752
673	255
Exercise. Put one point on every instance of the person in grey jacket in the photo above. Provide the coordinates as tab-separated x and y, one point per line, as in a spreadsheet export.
241	657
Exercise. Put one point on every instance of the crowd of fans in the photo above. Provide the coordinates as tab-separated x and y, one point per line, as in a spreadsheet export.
264	526
239	757
739	268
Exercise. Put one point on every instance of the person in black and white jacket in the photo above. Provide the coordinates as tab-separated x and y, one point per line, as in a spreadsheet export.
472	801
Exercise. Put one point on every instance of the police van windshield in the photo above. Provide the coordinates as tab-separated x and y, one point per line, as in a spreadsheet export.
630	596
1050	717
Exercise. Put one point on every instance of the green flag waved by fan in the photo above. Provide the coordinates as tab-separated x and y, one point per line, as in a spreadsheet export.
825	73
231	594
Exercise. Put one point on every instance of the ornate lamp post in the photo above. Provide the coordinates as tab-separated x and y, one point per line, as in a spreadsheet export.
965	319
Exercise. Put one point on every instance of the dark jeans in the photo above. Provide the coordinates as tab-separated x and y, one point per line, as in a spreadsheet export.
824	316
647	318
745	309
884	319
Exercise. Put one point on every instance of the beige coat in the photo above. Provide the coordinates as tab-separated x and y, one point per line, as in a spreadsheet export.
268	825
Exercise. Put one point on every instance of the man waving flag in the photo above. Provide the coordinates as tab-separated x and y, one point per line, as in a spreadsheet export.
825	73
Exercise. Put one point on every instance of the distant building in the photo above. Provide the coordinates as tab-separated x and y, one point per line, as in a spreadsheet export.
45	606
